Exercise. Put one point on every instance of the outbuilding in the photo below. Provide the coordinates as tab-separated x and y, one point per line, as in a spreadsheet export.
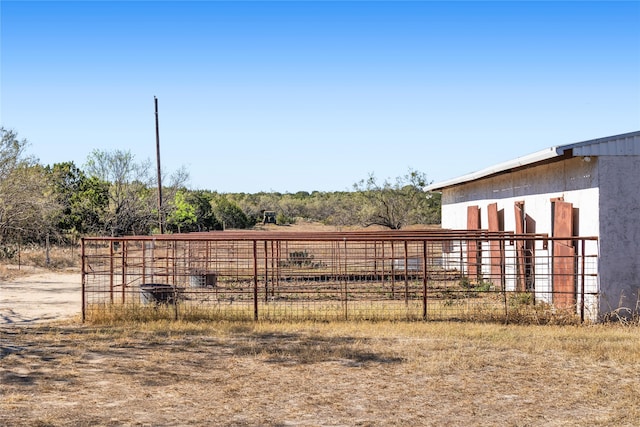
589	188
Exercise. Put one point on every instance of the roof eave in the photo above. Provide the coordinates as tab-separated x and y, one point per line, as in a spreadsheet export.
579	149
539	156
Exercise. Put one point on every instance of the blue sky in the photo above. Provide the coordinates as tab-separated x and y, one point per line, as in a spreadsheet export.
302	96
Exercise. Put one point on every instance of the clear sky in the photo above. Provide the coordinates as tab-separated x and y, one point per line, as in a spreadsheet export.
301	96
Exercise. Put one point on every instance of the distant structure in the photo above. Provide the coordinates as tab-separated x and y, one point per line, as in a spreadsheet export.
589	188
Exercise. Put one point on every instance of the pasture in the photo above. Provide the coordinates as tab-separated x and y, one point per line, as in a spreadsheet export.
168	373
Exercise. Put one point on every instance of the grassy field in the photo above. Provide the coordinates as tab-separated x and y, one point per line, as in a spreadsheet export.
163	373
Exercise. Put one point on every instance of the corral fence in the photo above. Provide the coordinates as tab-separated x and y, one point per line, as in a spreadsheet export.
264	275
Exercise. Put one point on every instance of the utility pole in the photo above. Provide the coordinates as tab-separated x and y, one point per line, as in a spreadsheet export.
160	222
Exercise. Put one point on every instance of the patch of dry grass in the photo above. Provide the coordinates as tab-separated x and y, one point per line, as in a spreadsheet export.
59	257
488	308
5	273
313	373
33	258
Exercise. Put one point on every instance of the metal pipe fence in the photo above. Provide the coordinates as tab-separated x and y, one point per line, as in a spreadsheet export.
416	275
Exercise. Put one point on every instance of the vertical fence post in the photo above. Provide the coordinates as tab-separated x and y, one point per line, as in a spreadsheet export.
173	268
393	271
462	271
274	267
346	281
503	279
144	262
424	280
174	259
278	256
255	280
375	258
406	274
111	243
84	280
266	272
582	287
382	269
124	269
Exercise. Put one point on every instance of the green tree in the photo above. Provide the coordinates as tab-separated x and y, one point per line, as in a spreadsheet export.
253	205
192	211
338	208
182	217
206	219
82	200
230	214
395	205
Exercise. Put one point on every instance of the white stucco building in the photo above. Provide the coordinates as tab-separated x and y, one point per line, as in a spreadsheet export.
589	188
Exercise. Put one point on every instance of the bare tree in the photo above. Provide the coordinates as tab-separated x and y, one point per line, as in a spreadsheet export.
132	205
25	202
11	152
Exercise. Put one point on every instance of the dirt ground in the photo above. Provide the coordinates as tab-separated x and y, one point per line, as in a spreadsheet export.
38	295
55	371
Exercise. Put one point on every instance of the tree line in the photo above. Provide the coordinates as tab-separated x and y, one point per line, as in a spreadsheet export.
113	194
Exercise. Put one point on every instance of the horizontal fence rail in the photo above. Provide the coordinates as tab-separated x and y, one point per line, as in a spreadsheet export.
428	275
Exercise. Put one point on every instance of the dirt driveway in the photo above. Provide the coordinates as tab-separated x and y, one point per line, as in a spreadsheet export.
39	296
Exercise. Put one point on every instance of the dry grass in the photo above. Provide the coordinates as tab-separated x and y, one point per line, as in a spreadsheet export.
488	307
317	374
32	259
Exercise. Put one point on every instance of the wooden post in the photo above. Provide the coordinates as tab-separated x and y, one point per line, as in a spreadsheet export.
160	224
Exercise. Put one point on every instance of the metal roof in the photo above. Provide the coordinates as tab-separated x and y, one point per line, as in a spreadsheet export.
627	144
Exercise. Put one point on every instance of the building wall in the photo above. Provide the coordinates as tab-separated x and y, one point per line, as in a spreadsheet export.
576	180
573	179
619	268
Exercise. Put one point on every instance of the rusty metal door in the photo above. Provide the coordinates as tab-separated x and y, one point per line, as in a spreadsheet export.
564	286
494	245
473	246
